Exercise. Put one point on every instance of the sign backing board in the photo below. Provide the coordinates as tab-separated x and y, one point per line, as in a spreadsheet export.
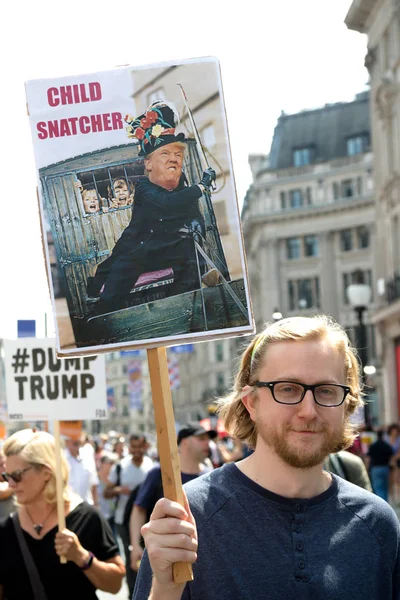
41	387
90	159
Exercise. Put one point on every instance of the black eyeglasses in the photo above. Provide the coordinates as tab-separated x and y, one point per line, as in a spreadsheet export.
16	476
290	392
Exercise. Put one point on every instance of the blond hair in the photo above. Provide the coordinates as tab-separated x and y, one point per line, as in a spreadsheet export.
38	449
319	327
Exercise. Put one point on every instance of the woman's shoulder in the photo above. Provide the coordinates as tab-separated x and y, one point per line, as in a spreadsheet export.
81	510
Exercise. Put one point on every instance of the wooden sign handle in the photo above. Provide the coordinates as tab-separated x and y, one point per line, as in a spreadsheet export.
167	444
59	485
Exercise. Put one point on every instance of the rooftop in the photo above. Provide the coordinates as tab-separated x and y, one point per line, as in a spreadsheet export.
322	134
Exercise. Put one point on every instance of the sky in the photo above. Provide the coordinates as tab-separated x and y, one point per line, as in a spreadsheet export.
274	56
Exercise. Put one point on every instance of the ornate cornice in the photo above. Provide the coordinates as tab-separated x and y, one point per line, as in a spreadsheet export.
385	97
358	14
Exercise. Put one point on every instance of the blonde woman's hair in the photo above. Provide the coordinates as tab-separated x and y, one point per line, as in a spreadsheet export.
319	327
38	449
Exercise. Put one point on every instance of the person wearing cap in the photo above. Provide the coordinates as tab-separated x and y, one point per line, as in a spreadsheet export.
165	210
193	445
277	525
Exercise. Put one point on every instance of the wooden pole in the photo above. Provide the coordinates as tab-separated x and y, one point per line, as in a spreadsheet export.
59	485
167	444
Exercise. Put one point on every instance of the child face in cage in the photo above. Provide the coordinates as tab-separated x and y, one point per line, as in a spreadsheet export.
90	201
123	196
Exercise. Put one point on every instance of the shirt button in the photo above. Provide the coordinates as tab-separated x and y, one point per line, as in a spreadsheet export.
141	243
298	528
160	220
301	564
151	231
299	546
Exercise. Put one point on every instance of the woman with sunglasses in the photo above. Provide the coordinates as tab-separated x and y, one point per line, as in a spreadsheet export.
87	542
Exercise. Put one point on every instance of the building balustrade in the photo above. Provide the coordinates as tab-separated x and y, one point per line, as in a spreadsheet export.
393	288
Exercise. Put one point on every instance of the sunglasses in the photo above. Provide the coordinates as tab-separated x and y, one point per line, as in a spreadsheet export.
16	476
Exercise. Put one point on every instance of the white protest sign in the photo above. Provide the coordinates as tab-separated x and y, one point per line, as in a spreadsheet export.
41	387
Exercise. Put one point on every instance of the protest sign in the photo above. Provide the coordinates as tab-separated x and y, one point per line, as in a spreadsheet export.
71	429
41	387
130	261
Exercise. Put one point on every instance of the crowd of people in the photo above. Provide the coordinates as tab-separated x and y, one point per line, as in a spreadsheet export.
111	484
271	506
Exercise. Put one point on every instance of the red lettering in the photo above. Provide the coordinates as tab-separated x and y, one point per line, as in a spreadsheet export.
76	125
76	93
53	128
84	124
72	121
95	91
117	120
96	122
52	97
64	129
107	122
41	127
84	98
66	94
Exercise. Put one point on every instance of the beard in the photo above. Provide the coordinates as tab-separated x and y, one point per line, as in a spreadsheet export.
304	456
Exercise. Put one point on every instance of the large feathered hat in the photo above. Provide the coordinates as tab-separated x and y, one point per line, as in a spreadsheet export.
155	128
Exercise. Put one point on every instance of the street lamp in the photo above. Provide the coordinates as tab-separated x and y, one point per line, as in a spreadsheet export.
359	295
302	303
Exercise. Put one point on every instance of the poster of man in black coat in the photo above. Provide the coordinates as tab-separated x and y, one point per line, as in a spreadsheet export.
165	219
156	256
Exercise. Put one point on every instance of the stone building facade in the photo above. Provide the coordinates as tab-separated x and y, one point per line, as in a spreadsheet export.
309	219
380	20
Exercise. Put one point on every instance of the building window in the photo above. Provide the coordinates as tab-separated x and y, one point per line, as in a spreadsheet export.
356	144
208	136
296	199
359	186
303	293
346	240
309	195
302	156
293	248
310	245
336	191
362	237
219	352
283	200
220	381
157	94
347	188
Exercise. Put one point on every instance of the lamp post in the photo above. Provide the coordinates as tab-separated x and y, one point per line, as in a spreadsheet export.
277	315
359	295
302	303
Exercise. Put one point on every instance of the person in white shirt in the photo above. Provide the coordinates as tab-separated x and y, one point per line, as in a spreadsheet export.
83	474
124	477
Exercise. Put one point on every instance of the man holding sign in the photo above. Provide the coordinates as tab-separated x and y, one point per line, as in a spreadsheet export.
165	217
276	525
